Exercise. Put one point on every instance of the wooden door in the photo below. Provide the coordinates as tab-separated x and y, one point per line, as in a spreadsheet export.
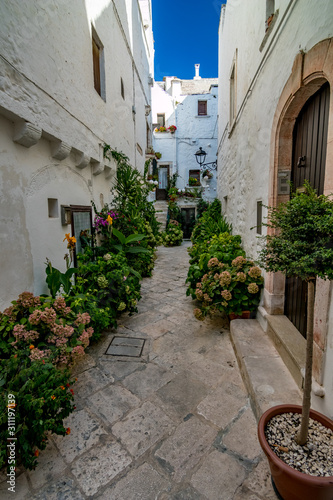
163	182
309	158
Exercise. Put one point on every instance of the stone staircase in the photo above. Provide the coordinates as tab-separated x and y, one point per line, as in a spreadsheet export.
161	209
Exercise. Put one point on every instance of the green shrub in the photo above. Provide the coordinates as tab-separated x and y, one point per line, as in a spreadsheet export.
39	397
229	288
224	247
173	236
109	280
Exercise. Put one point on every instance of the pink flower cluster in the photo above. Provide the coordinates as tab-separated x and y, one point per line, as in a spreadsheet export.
213	262
82	319
254	272
37	354
225	278
60	305
48	316
21	333
238	262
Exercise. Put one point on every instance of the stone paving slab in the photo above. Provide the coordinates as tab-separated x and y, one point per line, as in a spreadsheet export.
174	424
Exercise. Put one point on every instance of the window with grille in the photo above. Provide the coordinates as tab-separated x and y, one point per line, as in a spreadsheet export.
202	108
81	227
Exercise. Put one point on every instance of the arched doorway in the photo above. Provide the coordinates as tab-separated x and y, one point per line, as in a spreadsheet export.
308	163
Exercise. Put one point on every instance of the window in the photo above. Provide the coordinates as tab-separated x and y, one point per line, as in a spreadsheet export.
194	178
81	227
98	64
232	104
122	89
202	108
259	217
161	119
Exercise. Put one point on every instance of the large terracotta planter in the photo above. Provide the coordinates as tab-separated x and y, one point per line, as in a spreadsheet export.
290	483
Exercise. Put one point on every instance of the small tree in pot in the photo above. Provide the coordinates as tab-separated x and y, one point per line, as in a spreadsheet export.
301	245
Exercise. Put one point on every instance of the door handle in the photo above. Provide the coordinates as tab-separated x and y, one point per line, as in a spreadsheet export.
301	161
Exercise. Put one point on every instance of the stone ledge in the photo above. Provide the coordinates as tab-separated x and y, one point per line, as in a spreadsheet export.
290	344
267	379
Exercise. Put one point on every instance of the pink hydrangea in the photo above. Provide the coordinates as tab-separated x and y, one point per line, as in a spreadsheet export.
78	351
82	319
254	272
241	277
238	261
21	333
226	294
37	354
225	278
213	262
253	288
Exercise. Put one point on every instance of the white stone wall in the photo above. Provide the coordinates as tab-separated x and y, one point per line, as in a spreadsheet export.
193	131
244	154
264	64
53	123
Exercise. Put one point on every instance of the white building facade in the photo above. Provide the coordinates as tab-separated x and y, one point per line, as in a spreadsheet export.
276	70
74	76
190	106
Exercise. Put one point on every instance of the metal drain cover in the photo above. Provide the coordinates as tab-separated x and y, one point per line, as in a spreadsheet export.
126	346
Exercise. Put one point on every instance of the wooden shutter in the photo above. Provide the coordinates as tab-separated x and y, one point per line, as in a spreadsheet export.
96	64
202	108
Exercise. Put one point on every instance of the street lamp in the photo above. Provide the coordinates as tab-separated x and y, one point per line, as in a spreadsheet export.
200	156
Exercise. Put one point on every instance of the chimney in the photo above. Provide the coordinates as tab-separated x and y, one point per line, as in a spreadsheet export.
197	77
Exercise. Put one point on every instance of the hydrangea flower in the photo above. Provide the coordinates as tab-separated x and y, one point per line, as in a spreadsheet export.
226	294
254	272
253	288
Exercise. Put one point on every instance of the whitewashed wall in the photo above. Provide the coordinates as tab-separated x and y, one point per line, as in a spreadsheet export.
193	131
47	82
264	64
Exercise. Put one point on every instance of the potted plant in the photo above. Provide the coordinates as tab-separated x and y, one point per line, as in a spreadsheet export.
160	129
158	155
206	174
299	244
193	181
172	129
230	288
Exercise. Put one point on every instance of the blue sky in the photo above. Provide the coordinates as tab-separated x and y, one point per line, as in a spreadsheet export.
186	33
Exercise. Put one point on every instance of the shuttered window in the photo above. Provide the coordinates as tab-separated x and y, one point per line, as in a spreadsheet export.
97	68
98	64
202	108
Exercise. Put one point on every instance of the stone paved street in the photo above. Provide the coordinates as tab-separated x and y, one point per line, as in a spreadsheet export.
172	424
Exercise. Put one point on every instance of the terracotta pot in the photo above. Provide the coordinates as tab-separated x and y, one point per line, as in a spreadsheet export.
290	483
244	315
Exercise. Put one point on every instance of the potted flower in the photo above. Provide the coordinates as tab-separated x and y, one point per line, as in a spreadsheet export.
172	129
193	181
230	288
206	174
160	129
299	244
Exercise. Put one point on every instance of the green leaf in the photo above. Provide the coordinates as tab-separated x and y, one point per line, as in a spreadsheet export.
134	237
119	235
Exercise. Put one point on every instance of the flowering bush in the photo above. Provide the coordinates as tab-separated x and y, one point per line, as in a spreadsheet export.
224	247
43	399
229	288
45	328
173	236
109	281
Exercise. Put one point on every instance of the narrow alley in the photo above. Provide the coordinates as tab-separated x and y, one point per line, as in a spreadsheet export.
164	415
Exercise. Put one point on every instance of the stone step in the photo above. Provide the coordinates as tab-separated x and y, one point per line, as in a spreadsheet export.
290	345
265	375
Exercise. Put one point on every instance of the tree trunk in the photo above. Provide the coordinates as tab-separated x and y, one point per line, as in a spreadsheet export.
302	435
